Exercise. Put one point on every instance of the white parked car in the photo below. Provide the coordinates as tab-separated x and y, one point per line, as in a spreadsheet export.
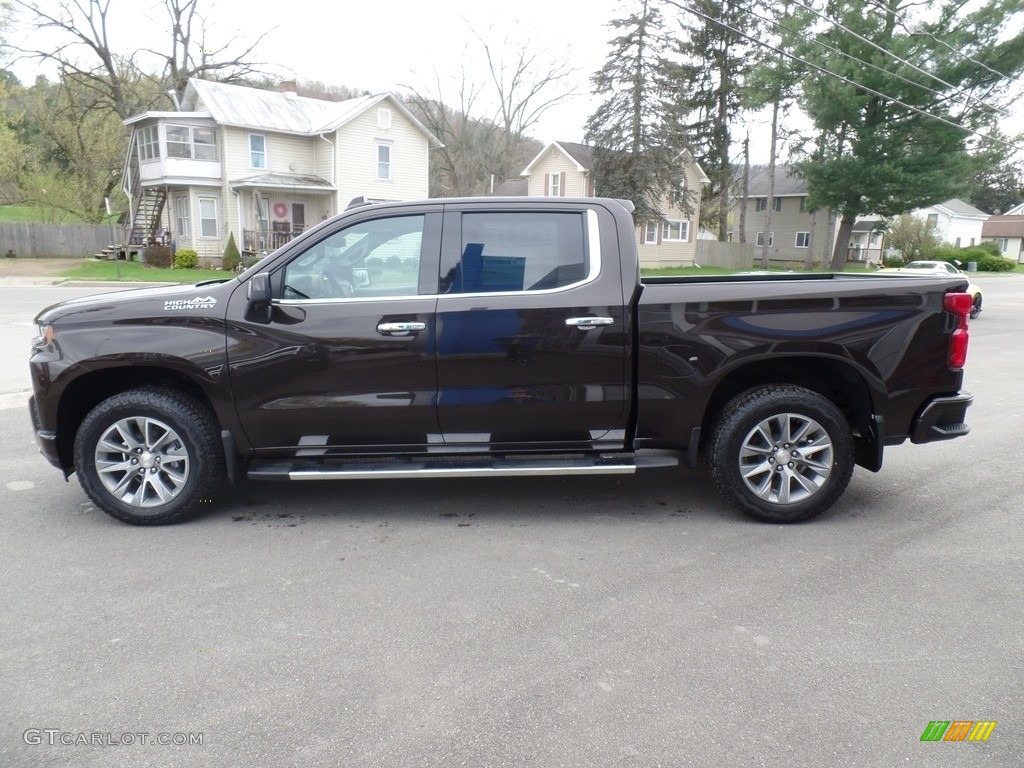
942	268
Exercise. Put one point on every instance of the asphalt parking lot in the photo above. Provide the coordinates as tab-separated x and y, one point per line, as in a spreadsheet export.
550	622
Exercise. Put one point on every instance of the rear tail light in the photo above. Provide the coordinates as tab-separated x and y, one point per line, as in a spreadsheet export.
960	305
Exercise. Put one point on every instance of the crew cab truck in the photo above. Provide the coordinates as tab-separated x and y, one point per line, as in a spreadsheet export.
482	337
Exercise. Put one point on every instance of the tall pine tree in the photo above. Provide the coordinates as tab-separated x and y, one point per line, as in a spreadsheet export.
716	58
636	142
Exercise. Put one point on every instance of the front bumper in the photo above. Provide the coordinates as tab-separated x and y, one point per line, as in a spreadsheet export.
46	440
942	418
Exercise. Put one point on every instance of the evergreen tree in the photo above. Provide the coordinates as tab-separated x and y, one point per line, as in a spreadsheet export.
716	59
885	158
633	131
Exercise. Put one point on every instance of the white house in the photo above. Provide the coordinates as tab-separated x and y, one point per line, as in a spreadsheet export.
956	222
264	165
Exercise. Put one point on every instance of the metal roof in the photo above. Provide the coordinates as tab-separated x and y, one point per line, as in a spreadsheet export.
286	112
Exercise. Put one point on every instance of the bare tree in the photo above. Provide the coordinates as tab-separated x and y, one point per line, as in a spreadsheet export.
86	52
484	123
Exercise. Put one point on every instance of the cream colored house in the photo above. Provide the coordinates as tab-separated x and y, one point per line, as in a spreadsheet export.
563	169
264	165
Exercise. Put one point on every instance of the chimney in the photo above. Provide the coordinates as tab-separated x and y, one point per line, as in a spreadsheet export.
288	87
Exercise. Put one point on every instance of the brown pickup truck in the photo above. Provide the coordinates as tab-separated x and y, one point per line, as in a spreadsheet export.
484	337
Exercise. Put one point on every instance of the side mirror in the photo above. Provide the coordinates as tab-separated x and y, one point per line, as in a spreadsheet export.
258	290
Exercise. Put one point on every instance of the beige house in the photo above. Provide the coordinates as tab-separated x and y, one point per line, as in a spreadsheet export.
793	232
563	169
1008	233
264	165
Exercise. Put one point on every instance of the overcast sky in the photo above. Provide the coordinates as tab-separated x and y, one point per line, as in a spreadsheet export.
384	46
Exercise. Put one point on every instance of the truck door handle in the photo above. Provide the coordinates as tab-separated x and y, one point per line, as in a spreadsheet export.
588	323
400	328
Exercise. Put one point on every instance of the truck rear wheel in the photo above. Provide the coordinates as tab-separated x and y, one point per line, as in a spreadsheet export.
781	453
149	456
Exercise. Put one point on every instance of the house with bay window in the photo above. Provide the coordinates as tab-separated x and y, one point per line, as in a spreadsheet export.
264	165
563	169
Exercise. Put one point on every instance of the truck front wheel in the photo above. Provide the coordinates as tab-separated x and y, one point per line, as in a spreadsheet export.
149	456
781	453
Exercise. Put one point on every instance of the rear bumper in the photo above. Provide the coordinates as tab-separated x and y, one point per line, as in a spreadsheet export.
46	440
942	418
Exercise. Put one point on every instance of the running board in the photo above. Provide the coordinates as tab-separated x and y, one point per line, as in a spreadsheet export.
533	467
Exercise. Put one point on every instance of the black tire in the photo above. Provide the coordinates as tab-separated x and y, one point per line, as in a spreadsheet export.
781	453
976	307
149	456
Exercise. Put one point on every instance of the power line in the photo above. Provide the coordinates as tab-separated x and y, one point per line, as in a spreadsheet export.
940	41
869	64
889	53
842	78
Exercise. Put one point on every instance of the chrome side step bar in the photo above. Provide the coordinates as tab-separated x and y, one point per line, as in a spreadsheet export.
533	467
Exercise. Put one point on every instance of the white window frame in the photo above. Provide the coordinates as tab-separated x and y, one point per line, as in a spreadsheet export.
762	204
203	220
805	236
385	171
554	185
182	216
651	233
675	231
1004	244
148	143
759	240
262	153
384	118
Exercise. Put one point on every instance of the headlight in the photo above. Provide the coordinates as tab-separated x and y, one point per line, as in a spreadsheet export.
45	337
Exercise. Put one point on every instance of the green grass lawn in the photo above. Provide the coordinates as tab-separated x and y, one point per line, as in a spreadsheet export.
134	272
37	213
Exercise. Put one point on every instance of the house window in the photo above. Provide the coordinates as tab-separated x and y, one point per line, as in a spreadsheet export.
762	204
383	162
678	196
183	225
874	239
957	243
760	239
933	219
651	233
803	240
208	226
191	143
554	185
257	151
676	231
803	204
384	119
204	144
149	144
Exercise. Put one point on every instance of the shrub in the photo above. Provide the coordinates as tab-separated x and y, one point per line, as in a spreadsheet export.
157	256
982	255
186	258
232	258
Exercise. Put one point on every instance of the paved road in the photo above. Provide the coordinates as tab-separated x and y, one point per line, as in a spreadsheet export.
553	622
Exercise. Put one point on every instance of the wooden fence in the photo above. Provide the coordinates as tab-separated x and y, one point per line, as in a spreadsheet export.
712	253
32	239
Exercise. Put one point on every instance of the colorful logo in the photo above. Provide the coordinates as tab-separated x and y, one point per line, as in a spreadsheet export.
958	730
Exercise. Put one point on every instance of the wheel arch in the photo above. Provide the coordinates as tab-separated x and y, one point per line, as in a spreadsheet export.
90	389
838	381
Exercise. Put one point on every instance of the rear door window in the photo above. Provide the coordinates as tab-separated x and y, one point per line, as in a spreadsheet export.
521	251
